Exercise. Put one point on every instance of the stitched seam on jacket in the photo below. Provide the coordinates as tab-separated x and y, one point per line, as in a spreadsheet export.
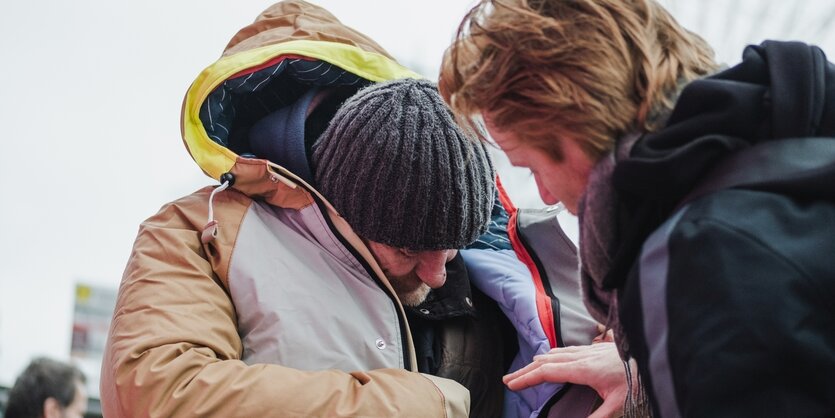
234	243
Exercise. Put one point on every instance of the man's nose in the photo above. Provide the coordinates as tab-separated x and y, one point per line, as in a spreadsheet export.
431	269
546	196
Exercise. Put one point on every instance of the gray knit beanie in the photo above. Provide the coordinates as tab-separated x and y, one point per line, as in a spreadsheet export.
397	167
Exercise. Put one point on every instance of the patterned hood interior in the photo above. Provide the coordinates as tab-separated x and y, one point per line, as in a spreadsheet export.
271	71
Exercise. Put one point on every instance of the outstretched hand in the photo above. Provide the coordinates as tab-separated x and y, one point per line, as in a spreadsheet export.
598	366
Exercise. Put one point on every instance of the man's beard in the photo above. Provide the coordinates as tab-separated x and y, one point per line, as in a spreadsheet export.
410	289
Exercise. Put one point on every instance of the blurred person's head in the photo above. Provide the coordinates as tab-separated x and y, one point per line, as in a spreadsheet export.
558	81
48	389
407	179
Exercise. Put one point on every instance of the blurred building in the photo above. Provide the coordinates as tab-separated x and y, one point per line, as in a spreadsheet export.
92	313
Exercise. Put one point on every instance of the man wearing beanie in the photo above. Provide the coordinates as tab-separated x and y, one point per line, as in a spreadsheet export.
397	168
415	189
353	261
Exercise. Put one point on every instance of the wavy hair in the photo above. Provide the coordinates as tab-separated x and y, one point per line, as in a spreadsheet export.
584	70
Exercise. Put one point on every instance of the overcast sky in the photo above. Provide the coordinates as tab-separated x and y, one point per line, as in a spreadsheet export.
90	110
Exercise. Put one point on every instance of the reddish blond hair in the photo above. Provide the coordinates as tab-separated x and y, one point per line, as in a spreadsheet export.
586	70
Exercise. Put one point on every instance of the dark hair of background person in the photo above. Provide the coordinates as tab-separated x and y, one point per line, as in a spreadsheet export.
43	378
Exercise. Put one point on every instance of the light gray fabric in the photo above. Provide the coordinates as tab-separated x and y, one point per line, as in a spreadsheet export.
303	301
397	167
542	231
653	266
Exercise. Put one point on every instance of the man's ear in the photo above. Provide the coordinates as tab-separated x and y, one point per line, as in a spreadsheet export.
51	408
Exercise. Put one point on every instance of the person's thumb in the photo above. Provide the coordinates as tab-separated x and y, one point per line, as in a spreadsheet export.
612	406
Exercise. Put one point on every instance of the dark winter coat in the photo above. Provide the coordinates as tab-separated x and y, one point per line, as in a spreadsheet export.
724	274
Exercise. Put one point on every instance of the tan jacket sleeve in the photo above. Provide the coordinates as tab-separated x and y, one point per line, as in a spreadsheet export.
174	350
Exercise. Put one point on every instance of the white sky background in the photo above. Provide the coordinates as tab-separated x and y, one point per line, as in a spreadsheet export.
89	115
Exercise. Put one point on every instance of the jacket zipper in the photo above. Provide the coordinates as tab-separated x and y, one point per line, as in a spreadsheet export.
555	304
543	276
400	318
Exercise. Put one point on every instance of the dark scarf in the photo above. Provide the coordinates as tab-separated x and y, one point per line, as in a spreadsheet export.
600	237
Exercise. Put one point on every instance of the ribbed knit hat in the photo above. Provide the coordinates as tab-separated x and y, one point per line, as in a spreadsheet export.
400	171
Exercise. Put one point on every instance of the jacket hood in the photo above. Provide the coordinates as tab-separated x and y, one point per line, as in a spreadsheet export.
294	54
764	110
780	91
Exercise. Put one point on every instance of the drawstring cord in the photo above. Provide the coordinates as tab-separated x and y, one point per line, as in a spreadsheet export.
217	190
209	232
